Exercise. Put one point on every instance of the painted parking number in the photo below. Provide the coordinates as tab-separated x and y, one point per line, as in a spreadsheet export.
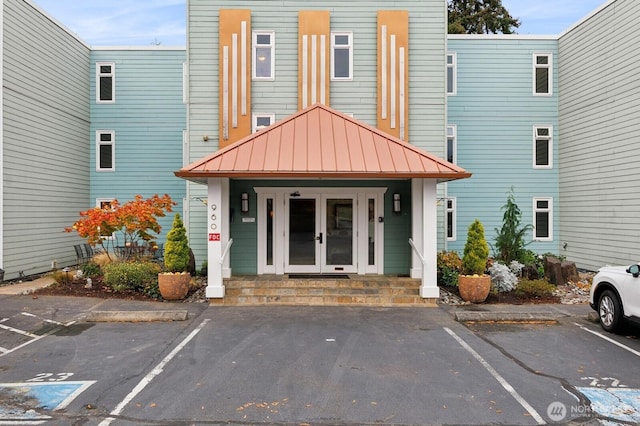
50	377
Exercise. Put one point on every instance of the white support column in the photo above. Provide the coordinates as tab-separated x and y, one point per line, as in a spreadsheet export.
416	226
215	229
429	288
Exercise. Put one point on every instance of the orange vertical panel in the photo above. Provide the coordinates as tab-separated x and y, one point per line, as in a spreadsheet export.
234	107
393	101
314	23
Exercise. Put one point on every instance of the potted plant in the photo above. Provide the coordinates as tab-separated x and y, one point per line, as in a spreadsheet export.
474	284
174	281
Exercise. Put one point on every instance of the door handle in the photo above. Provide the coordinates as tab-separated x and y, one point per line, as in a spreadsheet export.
319	238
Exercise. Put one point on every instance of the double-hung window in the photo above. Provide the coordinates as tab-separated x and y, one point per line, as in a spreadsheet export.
451	219
451	144
342	56
263	55
543	219
105	82
105	151
452	84
542	147
542	74
260	121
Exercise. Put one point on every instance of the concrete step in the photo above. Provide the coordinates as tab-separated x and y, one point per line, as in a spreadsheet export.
377	291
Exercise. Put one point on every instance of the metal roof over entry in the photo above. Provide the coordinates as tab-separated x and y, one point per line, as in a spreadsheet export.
320	142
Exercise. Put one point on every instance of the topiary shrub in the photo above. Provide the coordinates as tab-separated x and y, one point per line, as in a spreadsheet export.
176	249
130	276
476	250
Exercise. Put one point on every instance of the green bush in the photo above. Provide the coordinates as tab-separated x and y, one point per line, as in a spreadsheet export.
538	288
135	276
510	237
176	249
449	277
91	269
476	250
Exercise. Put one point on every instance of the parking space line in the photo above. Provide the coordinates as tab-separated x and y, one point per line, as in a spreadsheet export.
608	339
28	314
498	377
15	330
152	374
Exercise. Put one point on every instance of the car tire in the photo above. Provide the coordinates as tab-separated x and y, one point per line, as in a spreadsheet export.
609	311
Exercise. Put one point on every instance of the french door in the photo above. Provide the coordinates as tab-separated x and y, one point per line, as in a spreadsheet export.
320	234
320	230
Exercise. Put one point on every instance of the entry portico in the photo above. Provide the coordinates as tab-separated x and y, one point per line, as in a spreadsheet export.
326	194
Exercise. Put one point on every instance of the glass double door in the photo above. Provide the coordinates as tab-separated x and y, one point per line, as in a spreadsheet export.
320	234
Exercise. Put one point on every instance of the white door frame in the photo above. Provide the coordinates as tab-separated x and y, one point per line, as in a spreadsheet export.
363	226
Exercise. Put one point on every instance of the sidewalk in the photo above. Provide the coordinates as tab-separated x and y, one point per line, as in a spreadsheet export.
26	287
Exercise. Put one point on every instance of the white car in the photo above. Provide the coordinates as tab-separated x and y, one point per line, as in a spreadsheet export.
615	295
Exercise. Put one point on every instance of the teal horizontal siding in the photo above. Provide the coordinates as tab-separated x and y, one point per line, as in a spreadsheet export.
148	119
494	112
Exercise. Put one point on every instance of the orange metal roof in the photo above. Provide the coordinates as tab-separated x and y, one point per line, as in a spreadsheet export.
321	142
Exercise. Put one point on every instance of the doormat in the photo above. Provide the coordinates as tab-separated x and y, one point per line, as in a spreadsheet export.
319	277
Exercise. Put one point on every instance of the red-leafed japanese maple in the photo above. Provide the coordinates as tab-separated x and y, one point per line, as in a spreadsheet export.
131	224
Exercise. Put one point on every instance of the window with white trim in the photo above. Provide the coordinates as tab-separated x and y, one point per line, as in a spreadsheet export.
105	151
543	219
105	82
542	147
341	56
260	121
451	144
542	74
263	55
451	218
452	84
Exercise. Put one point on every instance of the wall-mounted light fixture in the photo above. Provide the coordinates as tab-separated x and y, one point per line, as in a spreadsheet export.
244	205
396	203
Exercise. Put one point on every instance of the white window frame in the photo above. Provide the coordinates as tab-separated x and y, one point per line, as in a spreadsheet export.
99	75
272	51
452	133
99	143
549	140
335	47
549	211
453	66
549	67
454	218
256	116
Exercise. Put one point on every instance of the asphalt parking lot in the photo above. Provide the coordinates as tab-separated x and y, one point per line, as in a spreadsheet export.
315	365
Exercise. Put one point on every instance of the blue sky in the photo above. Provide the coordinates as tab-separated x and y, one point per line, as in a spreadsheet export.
145	22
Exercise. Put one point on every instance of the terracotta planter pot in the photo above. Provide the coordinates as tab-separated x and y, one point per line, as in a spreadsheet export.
174	286
474	288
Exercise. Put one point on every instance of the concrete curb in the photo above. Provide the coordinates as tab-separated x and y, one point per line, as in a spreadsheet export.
496	316
136	316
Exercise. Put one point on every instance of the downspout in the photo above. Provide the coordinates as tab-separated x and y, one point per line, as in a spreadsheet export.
2	137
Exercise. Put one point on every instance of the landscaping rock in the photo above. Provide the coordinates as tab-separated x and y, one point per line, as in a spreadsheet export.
569	272
530	272
553	270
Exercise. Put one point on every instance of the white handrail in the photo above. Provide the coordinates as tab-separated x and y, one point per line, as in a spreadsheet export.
415	249
226	250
